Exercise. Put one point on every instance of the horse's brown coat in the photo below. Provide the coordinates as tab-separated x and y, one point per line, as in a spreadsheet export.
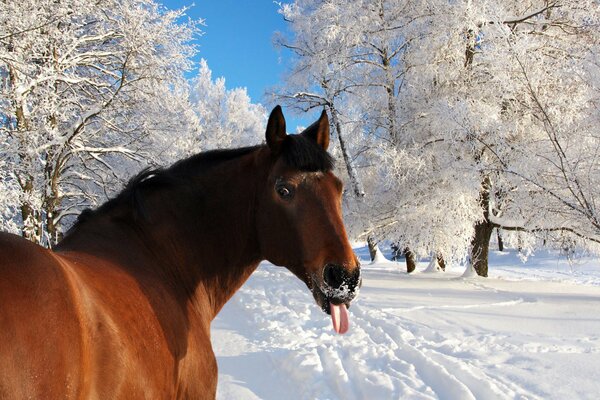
121	309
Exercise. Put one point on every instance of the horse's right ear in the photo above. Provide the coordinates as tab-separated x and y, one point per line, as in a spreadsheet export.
276	130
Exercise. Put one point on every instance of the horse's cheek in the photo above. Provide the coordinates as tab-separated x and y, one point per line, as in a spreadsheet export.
278	236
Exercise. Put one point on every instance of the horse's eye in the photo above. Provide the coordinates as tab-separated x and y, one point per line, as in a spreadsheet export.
284	191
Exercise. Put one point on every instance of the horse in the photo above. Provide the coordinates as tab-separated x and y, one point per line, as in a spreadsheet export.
121	308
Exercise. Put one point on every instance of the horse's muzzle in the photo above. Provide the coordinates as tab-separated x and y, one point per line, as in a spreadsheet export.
337	286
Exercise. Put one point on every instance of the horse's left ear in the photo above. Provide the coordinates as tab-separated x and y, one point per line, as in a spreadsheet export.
319	131
276	130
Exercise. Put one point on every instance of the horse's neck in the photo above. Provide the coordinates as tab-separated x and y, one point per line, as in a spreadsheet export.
203	247
220	231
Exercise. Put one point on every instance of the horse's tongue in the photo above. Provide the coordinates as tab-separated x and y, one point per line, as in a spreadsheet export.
339	317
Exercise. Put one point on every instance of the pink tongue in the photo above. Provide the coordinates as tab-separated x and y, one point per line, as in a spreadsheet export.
339	317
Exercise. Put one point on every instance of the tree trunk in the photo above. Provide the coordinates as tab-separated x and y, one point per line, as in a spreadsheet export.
441	262
355	182
390	89
31	225
372	247
500	241
31	228
52	198
411	260
480	244
51	209
470	48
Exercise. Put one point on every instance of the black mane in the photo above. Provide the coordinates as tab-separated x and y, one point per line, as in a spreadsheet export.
297	151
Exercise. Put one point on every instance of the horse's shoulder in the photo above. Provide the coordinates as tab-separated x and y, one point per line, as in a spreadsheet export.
13	243
20	258
34	302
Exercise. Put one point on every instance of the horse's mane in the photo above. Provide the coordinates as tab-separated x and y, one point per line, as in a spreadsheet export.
298	152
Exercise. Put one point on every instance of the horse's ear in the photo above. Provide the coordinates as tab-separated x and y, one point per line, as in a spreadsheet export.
319	131
276	130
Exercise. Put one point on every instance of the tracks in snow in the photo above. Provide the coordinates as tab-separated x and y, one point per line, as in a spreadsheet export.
438	361
385	355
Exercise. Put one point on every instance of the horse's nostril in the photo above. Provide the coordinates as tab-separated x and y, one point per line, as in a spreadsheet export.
333	275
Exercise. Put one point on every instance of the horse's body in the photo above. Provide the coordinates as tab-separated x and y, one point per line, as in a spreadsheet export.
121	309
77	326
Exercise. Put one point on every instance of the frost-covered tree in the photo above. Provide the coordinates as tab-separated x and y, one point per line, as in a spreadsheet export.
351	55
322	45
508	88
227	116
79	87
478	115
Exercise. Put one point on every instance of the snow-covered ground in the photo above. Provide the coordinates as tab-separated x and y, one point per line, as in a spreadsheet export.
530	331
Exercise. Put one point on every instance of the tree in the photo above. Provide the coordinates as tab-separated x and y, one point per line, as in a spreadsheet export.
317	79
79	83
351	55
226	116
478	116
517	108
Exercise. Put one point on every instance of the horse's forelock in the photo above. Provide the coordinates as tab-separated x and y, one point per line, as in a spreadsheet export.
304	154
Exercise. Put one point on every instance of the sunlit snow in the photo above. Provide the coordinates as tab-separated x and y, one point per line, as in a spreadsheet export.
530	331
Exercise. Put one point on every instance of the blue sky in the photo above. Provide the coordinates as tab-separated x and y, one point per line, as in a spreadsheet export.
237	43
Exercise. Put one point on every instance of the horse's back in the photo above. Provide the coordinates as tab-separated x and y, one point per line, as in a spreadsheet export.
40	340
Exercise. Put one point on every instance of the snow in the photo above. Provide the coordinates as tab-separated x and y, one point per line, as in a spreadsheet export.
530	331
433	266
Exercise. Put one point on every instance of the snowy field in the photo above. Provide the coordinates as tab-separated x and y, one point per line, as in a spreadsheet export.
530	331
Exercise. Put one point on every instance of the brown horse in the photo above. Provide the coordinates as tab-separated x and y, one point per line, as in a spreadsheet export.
121	309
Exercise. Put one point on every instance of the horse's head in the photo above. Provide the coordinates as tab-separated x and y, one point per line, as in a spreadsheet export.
300	217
